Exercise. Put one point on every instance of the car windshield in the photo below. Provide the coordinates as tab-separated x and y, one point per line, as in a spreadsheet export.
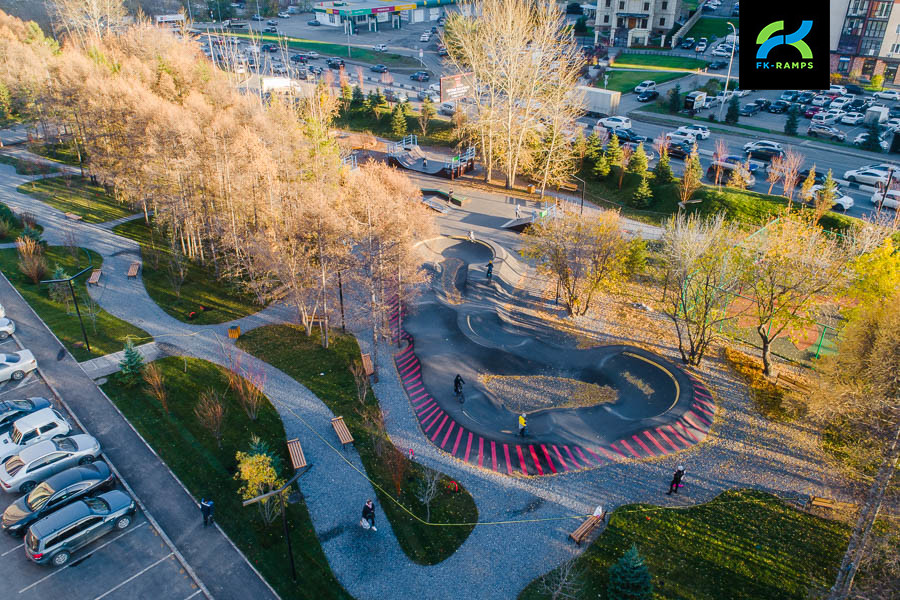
39	496
98	505
19	405
13	465
32	542
16	435
66	444
10	358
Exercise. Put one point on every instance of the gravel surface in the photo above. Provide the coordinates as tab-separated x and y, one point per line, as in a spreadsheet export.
528	393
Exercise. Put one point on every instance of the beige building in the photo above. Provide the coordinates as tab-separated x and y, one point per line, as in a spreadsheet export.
633	22
865	39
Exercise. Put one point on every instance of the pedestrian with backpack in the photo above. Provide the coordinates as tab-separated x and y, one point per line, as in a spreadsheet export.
676	480
368	516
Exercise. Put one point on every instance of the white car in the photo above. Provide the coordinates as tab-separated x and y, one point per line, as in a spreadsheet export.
7	328
700	47
15	365
23	471
284	15
866	176
820	100
891	199
861	139
698	131
829	117
893	95
892	123
837	88
679	137
279	69
310	54
425	37
841	199
762	145
722	52
380	47
2	311
40	425
840	102
645	86
615	123
853	118
741	93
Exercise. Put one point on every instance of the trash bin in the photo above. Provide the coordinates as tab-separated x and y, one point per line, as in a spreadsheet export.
234	332
530	188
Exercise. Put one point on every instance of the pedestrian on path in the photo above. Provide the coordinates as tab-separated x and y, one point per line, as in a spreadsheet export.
368	515
424	163
523	424
676	480
518	211
490	270
206	509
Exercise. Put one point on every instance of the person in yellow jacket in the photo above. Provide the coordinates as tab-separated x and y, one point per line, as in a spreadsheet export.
523	423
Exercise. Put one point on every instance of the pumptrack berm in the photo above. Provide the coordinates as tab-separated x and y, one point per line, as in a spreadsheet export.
461	325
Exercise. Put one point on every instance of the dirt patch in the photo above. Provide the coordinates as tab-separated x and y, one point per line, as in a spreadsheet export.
449	272
533	392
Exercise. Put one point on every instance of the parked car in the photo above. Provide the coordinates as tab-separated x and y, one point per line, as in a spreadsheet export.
763	103
645	86
380	47
7	328
861	139
425	37
54	493
395	96
837	89
721	51
853	118
735	159
378	69
841	200
701	45
789	95
806	97
698	131
647	96
313	23
284	15
335	63
819	177
271	22
812	111
889	199
615	123
688	43
315	69
447	108
627	135
866	176
778	107
828	117
679	137
852	88
32	428
826	131
15	365
420	76
821	100
13	410
750	109
841	102
279	69
680	149
725	170
298	58
763	150
433	96
892	95
54	538
717	65
270	30
33	464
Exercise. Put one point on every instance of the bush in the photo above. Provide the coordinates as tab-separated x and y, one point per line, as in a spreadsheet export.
877	82
675	99
733	114
131	366
792	122
31	259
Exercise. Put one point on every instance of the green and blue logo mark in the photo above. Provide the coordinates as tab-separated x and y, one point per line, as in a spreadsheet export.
767	40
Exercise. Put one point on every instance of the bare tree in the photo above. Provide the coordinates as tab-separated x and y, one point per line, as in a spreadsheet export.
691	179
429	488
86	19
156	384
790	167
361	379
247	385
564	582
774	172
721	153
210	412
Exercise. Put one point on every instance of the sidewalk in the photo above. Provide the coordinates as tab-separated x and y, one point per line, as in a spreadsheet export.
207	552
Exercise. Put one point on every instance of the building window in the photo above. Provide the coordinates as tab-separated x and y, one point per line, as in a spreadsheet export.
868	67
606	18
621	6
665	5
843	64
890	72
882	9
662	21
895	48
646	6
620	22
607	3
643	23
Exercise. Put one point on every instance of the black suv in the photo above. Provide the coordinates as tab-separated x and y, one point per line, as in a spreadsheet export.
779	106
627	135
680	149
420	76
335	63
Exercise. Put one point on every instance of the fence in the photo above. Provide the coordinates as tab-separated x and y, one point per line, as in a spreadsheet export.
676	39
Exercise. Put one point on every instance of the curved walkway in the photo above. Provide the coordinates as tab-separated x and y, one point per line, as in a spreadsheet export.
524	521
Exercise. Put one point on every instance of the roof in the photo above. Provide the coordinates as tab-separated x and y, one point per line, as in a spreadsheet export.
29	453
37	418
59	519
76	474
350	8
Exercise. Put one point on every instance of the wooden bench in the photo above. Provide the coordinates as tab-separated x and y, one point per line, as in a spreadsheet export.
567	187
133	269
367	364
340	428
298	459
818	502
586	528
94	279
73	217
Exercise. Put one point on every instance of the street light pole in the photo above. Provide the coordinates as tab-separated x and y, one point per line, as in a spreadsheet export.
583	185
730	61
287	534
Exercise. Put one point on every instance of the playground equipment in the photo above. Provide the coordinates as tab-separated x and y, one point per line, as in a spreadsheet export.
408	155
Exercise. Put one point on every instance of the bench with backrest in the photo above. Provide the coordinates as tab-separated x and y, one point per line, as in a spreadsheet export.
567	187
295	450
94	279
73	216
340	428
133	269
586	528
819	502
367	364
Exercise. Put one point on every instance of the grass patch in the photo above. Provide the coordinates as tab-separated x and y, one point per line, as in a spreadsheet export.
365	55
222	299
625	81
13	225
27	167
440	132
106	333
744	545
713	26
208	471
79	196
630	60
288	348
63	152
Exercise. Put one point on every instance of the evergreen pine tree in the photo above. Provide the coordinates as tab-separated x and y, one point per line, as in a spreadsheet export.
601	166
594	147
629	578
357	98
736	179
675	99
346	97
734	110
580	146
643	194
662	172
872	142
131	365
614	150
808	183
792	122
398	121
638	162
59	292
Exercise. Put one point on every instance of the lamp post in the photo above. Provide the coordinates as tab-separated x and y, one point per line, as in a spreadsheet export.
583	185
730	61
69	281
287	534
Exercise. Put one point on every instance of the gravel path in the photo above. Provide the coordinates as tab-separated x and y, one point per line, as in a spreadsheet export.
497	560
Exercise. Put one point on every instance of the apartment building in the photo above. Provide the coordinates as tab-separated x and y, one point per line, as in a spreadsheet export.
632	22
865	39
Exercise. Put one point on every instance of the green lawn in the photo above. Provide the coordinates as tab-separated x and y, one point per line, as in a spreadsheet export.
27	167
14	224
440	132
624	81
366	55
744	545
63	152
713	26
630	60
207	470
289	349
106	333
77	195
223	301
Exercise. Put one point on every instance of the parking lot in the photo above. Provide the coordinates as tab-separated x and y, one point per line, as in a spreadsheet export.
132	564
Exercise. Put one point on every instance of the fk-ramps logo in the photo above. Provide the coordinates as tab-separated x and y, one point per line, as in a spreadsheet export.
790	51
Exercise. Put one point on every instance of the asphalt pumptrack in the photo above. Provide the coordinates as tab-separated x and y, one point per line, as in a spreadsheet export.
467	325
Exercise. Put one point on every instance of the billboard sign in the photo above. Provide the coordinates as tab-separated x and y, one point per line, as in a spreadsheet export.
455	87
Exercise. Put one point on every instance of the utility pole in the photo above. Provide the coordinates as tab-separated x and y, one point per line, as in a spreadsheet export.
730	62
